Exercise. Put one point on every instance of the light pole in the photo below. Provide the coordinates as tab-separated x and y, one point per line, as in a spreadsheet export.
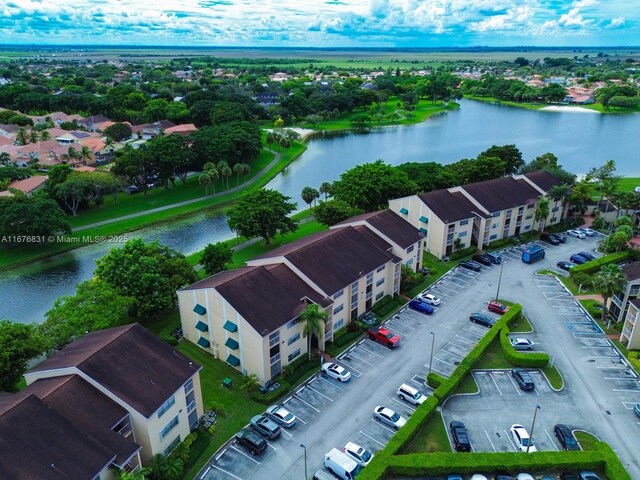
499	281
433	340
533	424
306	474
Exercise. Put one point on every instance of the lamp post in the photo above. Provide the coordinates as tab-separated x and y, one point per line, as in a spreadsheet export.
533	424
306	474
499	281
433	341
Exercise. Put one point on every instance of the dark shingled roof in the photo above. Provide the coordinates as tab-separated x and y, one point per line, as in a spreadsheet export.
449	207
87	408
631	271
543	179
636	302
130	362
389	224
38	443
336	258
502	193
280	299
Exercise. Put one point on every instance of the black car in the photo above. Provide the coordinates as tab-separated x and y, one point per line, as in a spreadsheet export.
549	238
523	379
483	259
565	265
565	437
460	437
495	258
562	238
503	476
471	265
569	476
482	319
587	255
265	426
250	439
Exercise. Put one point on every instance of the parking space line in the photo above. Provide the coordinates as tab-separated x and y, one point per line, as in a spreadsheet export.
460	346
629	405
489	438
319	393
331	383
306	403
354	371
383	426
440	360
360	358
494	382
412	407
514	385
401	330
245	455
371	438
444	374
515	449
465	339
552	442
623	390
371	352
223	471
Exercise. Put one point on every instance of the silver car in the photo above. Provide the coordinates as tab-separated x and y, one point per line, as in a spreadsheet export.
522	344
576	234
389	417
281	416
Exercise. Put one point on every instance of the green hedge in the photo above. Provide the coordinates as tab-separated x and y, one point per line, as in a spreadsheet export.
465	252
598	263
521	359
269	398
435	380
388	307
346	338
407	433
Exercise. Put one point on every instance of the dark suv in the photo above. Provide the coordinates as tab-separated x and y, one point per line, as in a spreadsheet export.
550	238
482	259
495	258
565	437
523	379
460	437
250	439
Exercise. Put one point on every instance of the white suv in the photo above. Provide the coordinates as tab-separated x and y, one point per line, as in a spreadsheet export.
410	394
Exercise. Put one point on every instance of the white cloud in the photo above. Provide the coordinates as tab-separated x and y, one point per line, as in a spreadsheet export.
616	22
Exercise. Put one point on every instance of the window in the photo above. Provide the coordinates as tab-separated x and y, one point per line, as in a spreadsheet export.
553	219
404	211
293	354
464	222
410	249
495	225
634	290
338	324
508	213
293	322
380	282
170	426
171	446
531	205
338	309
369	278
462	234
528	217
409	262
528	227
379	296
199	309
338	294
293	338
274	338
493	237
555	209
495	214
380	268
167	405
188	386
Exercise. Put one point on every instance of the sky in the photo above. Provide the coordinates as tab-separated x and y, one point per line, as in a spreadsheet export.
322	23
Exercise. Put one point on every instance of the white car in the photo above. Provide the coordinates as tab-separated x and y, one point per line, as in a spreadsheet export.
522	439
522	344
410	394
281	416
361	455
478	476
430	299
336	371
524	476
576	233
588	232
388	416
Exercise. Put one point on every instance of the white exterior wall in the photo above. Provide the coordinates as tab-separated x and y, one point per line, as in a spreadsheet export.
630	334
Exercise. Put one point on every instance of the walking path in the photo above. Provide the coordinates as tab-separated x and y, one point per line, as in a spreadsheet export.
261	173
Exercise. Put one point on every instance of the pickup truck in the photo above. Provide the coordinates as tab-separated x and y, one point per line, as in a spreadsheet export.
384	336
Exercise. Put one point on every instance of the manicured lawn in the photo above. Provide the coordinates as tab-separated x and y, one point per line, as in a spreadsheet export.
553	375
432	437
520	325
629	183
586	440
468	385
493	358
569	283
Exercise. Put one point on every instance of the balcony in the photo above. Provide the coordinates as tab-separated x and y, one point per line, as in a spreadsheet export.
626	333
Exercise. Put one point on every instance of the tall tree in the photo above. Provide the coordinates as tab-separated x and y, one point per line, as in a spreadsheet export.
509	154
262	213
325	189
238	168
73	191
22	137
118	131
313	320
334	211
20	343
541	213
609	281
225	171
35	215
309	194
216	257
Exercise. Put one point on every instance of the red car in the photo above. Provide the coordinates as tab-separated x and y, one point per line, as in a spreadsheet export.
384	336
497	307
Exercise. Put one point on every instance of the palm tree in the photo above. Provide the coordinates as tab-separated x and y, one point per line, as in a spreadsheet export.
250	381
314	320
164	468
33	136
560	193
85	154
5	158
22	137
542	212
246	170
609	281
44	136
238	169
109	143
71	155
225	171
205	182
309	194
325	188
580	194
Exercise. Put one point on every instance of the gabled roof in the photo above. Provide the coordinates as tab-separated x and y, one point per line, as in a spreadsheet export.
30	184
9	128
449	206
631	271
389	224
502	193
281	296
39	443
130	362
543	179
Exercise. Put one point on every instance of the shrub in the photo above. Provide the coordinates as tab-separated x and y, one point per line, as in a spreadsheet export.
566	225
503	242
384	301
521	359
347	338
170	339
435	380
595	265
465	252
582	278
271	397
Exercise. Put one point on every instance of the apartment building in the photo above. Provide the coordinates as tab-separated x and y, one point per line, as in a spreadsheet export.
157	386
630	335
250	316
479	213
619	303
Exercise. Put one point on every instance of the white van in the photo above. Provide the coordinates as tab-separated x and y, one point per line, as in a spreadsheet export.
340	465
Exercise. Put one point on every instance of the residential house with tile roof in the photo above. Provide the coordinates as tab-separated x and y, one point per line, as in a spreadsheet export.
29	185
250	316
154	383
479	213
9	131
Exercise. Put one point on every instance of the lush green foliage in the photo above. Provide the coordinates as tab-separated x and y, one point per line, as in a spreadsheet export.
521	359
216	257
333	211
31	215
598	263
20	343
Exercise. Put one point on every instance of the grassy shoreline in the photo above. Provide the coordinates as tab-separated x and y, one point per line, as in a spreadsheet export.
538	106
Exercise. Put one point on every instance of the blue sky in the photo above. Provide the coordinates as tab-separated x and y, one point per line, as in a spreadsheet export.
322	23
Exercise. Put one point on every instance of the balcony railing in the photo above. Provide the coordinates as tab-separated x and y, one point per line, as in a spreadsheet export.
626	332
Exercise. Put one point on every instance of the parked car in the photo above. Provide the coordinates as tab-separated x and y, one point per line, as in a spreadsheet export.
503	476
549	238
369	318
497	307
250	439
384	336
281	416
361	455
460	437
588	232
478	476
576	234
523	379
410	394
471	265
587	475
265	426
562	238
565	265
424	271
482	259
569	476
335	371
565	437
522	344
341	465
495	258
420	306
430	299
522	439
524	476
587	255
482	319
455	476
578	259
323	475
636	410
389	417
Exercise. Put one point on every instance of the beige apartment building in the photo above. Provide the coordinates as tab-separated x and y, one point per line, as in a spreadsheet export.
630	335
623	306
479	213
250	316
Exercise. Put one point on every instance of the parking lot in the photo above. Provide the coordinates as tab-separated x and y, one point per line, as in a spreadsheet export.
598	396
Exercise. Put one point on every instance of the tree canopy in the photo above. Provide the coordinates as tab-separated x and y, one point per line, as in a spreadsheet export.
31	215
216	257
333	211
20	343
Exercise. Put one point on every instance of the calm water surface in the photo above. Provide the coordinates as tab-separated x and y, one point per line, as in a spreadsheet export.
580	140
